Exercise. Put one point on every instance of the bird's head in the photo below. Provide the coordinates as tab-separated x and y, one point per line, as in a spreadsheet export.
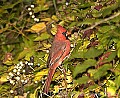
61	33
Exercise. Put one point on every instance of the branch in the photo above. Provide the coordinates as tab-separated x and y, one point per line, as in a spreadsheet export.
102	21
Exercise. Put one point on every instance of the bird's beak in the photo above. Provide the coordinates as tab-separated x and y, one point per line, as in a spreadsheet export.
68	33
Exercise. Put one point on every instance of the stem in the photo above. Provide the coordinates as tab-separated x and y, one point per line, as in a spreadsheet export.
100	22
54	2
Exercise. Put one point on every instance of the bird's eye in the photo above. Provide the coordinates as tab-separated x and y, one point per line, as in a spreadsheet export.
65	33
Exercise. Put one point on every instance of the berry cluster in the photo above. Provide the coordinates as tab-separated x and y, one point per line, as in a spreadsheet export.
31	13
19	74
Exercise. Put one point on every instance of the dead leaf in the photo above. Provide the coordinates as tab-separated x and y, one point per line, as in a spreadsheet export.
37	28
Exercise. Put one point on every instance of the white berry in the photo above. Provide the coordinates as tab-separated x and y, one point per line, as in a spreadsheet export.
18	73
21	62
19	70
29	9
14	70
22	81
11	91
17	78
23	71
26	62
67	3
11	74
33	16
32	6
30	13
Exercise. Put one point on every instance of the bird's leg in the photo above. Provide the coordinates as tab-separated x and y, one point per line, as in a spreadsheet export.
62	69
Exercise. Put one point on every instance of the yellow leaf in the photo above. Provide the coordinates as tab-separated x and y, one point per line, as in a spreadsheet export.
41	2
111	91
68	72
40	74
8	62
56	89
92	36
85	44
57	75
61	23
11	68
69	79
54	30
46	57
3	78
39	27
32	95
69	86
55	18
46	45
16	97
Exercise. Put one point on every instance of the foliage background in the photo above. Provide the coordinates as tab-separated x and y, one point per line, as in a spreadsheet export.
93	68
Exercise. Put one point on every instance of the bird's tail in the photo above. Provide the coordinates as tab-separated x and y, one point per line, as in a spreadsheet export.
48	80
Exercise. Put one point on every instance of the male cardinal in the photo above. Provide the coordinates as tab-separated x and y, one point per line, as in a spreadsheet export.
59	51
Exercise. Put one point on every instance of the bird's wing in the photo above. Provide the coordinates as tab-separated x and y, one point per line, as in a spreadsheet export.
57	50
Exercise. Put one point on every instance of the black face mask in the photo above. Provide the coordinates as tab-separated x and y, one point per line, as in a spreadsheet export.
65	34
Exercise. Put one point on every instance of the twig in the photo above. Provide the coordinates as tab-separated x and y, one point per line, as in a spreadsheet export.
102	21
20	32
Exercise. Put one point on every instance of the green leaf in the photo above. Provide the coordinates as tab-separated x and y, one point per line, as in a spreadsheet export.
2	69
116	19
42	37
40	8
106	11
8	6
4	88
105	29
87	21
101	71
93	52
118	52
72	24
93	87
86	5
111	56
76	53
29	54
22	54
96	13
118	44
117	72
82	80
117	81
82	67
118	47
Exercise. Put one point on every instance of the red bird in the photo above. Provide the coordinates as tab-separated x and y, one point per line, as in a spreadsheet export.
59	50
